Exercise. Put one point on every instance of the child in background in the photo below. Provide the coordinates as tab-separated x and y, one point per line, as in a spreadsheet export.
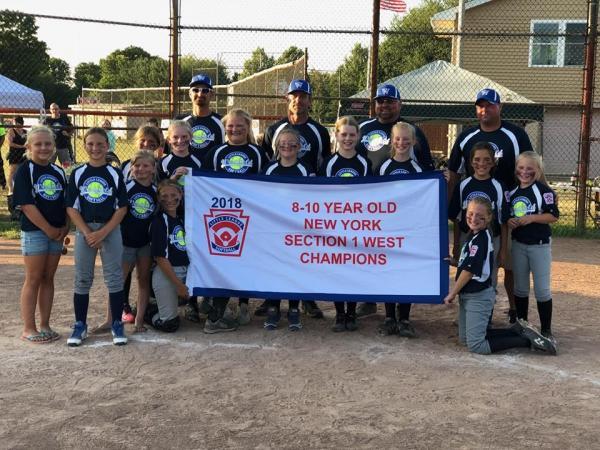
474	285
168	247
533	207
40	192
401	161
346	162
96	204
145	138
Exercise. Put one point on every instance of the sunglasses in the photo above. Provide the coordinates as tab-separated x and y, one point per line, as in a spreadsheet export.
202	90
381	101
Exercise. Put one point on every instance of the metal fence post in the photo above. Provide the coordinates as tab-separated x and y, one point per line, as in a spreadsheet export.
174	60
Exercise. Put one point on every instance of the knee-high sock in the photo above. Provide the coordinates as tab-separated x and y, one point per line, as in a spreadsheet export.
522	306
545	312
80	305
116	300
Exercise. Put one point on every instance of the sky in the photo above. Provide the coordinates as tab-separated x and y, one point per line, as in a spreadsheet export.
83	42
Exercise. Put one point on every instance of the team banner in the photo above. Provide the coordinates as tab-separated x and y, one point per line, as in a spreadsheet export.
363	239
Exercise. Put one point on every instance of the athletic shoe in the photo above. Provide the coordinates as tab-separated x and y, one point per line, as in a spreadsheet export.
220	326
118	333
405	329
293	317
388	327
351	324
340	323
272	319
261	311
191	313
538	342
244	315
512	315
548	335
366	309
79	334
311	308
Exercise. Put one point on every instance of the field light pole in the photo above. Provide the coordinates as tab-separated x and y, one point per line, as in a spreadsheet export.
174	60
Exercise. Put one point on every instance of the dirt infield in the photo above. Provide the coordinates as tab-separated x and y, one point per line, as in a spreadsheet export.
311	389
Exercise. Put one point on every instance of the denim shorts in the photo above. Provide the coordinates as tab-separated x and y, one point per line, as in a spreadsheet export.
34	243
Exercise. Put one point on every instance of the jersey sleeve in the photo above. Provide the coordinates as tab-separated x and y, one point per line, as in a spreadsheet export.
423	152
158	237
160	172
550	202
456	156
22	191
72	192
476	253
121	199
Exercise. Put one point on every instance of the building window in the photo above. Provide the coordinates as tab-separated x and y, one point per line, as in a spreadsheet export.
557	43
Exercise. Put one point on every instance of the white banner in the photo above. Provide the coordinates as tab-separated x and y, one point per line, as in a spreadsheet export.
363	239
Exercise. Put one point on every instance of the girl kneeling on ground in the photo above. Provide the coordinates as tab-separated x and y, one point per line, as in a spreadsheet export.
474	284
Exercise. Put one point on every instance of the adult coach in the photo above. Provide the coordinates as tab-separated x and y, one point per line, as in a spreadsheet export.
207	129
508	141
376	132
315	147
374	143
63	129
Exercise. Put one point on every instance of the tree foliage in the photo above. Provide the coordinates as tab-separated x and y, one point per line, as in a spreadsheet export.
353	71
133	67
401	53
259	60
87	75
290	54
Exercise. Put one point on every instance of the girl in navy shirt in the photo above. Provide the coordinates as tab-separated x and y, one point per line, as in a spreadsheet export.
533	207
346	162
180	161
474	284
168	247
96	204
39	190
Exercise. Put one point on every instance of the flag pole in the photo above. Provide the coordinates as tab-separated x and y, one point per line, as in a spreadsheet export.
373	56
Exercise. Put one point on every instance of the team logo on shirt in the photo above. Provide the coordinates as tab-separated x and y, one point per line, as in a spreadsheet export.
399	172
498	152
548	198
177	238
141	206
202	136
521	206
476	194
48	187
375	140
236	162
95	190
346	173
304	147
226	231
473	250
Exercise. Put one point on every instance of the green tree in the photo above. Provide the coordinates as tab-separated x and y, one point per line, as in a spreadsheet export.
59	69
132	67
290	54
353	71
401	53
258	61
324	84
87	75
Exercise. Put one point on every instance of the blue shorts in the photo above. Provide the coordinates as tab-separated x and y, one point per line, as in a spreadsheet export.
34	243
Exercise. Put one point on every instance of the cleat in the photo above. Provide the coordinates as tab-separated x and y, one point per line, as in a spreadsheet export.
293	317
118	333
272	319
388	327
79	334
405	329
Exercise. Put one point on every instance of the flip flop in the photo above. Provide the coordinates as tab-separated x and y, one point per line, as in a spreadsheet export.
36	338
50	334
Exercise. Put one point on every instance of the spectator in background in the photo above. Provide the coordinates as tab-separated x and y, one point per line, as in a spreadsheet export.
112	139
16	137
63	129
2	137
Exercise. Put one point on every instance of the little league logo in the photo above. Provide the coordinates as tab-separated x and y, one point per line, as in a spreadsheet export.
201	137
304	147
375	140
236	162
48	187
399	172
347	173
521	206
141	206
226	231
177	238
95	190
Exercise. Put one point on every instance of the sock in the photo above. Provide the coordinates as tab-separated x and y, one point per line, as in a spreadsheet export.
499	343
116	304
80	304
274	304
244	300
351	308
193	301
390	311
545	312
522	306
404	311
293	304
339	308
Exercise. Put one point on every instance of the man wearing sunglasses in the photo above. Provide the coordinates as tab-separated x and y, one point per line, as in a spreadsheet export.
376	132
315	147
207	129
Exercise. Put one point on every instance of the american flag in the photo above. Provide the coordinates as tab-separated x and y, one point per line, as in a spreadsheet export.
398	6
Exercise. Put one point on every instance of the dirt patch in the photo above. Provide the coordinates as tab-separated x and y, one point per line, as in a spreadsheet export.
311	389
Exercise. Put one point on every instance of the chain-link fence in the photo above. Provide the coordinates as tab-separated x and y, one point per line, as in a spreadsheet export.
531	52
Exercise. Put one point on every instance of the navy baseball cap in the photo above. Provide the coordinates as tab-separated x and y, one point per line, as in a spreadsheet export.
299	86
201	79
387	91
488	95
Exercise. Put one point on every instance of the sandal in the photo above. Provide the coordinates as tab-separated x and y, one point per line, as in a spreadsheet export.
50	334
36	338
140	329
